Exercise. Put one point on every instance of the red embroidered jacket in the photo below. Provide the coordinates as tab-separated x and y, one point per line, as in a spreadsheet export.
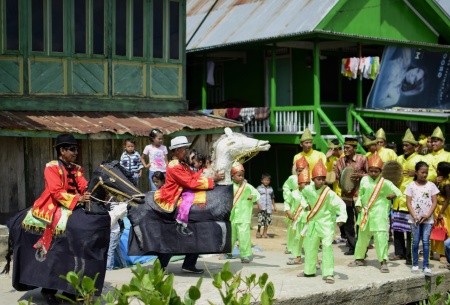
59	190
178	177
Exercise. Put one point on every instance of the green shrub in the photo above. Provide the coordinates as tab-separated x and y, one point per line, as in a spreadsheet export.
437	297
155	287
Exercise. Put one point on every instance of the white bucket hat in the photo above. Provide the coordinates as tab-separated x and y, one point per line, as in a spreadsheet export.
180	141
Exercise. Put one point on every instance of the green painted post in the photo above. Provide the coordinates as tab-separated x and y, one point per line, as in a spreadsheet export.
350	129
316	89
273	88
204	96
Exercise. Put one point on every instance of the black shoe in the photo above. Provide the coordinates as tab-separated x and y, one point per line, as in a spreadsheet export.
349	252
50	298
182	230
408	262
192	270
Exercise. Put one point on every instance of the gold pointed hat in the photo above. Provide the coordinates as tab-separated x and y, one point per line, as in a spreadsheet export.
331	145
367	142
381	134
319	170
437	133
301	163
303	177
375	161
237	167
409	137
306	135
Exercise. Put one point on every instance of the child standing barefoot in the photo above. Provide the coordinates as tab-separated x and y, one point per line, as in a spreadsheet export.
157	155
421	201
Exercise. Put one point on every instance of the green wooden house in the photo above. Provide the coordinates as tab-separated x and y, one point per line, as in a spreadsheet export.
104	70
287	55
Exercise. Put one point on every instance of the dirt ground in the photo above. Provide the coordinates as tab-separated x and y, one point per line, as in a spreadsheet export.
276	241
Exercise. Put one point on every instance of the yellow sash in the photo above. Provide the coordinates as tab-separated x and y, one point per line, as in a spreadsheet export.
372	199
319	203
239	192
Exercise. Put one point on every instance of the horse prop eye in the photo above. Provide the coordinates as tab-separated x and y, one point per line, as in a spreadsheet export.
112	180
231	143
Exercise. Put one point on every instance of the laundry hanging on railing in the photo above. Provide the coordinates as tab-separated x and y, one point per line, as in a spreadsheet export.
243	114
367	67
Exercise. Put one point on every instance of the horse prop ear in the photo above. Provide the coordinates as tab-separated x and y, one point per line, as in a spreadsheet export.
228	131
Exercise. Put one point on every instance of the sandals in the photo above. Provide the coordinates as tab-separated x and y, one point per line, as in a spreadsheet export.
294	262
356	263
227	256
443	260
258	235
287	252
396	258
384	268
445	266
245	260
318	264
329	280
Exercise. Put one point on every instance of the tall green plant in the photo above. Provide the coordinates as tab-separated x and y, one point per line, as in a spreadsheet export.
437	297
231	292
154	287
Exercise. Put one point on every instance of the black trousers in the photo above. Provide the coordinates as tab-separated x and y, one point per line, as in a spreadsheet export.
349	226
189	261
402	247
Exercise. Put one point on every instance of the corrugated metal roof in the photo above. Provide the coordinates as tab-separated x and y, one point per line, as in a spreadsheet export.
133	123
238	21
444	5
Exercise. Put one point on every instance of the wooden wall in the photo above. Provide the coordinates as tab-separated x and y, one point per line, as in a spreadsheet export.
23	161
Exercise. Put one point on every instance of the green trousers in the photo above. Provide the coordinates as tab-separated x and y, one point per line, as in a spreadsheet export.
241	231
311	247
381	244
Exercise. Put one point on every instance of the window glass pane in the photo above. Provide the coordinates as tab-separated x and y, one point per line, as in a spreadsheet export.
12	25
37	25
174	30
99	26
121	27
57	26
138	28
158	19
80	26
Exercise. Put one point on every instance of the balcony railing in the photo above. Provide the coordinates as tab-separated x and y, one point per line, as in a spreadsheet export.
286	122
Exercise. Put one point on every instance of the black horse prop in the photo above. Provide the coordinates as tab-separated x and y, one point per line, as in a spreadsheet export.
82	246
155	231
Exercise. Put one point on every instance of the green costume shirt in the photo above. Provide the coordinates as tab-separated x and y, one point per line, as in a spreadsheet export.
295	199
289	186
379	212
243	209
407	164
323	222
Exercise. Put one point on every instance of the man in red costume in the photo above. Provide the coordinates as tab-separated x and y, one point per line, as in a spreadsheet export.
179	178
65	186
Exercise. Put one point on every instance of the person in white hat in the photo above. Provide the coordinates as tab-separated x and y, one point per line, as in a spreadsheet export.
179	177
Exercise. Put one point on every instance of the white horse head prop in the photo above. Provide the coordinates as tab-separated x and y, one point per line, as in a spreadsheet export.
233	147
